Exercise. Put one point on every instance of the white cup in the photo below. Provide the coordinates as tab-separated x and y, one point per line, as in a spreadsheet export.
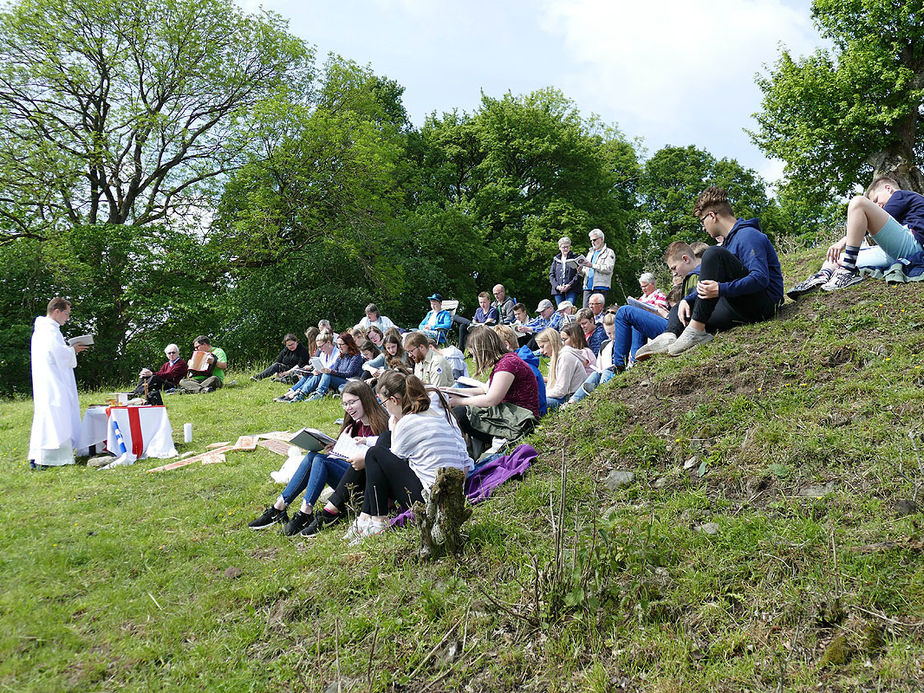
187	433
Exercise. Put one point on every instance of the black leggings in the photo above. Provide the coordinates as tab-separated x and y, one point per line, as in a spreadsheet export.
725	311
353	482
389	477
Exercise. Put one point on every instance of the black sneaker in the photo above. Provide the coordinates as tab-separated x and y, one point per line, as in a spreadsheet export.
298	522
807	285
321	520
269	517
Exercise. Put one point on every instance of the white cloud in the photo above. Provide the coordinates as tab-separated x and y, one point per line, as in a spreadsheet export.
676	71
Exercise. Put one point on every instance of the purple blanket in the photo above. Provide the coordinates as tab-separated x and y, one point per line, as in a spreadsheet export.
484	479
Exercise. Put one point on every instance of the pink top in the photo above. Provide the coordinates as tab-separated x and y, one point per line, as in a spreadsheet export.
524	390
655	298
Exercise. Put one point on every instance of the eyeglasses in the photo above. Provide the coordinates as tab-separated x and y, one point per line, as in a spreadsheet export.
702	221
349	403
173	352
341	344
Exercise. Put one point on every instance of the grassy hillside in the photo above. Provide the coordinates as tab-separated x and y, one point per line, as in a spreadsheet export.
767	536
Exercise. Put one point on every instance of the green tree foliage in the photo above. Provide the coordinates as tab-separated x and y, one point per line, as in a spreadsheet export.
126	112
670	182
528	170
841	116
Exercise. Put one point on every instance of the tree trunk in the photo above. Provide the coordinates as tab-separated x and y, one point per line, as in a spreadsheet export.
442	517
898	160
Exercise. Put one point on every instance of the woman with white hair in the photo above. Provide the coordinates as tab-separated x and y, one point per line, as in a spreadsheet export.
563	274
597	266
652	295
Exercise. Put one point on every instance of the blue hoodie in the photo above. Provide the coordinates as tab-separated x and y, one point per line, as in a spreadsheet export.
533	362
755	251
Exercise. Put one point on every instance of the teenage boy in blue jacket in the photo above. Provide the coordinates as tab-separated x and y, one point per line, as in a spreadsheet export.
739	281
892	216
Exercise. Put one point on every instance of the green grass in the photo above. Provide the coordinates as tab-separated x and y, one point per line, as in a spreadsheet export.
805	433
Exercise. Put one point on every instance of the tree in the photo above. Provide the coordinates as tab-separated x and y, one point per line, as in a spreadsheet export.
130	111
527	170
842	116
670	182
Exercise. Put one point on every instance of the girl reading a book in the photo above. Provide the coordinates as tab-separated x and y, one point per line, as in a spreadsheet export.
363	418
423	439
510	407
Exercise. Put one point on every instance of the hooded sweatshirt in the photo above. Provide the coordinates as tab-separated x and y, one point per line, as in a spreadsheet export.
749	244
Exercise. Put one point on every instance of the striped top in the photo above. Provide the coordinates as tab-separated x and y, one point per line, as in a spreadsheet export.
656	298
428	441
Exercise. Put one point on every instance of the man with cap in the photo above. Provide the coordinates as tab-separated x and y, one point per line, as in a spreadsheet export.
546	310
437	321
564	315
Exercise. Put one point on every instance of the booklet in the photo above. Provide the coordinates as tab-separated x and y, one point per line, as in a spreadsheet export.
638	304
346	447
573	261
311	439
471	383
317	363
82	339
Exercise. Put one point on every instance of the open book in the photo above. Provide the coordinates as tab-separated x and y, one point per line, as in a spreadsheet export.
317	363
639	304
311	439
82	339
346	447
572	261
472	383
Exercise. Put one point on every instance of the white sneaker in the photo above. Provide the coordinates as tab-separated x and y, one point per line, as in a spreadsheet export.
689	339
360	529
658	345
841	279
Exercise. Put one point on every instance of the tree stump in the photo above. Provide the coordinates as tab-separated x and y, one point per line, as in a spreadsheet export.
441	519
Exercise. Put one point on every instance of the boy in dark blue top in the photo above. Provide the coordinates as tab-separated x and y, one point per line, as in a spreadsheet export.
739	281
895	220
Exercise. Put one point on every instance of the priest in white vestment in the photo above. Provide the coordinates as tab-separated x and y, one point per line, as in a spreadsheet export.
56	421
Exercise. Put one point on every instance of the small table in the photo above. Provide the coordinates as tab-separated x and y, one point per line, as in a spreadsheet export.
145	429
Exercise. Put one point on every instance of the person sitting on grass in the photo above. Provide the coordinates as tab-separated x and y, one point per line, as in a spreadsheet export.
605	369
168	376
893	217
376	336
293	355
739	281
486	315
564	315
509	340
423	440
429	365
635	326
509	408
573	336
652	295
349	364
328	355
437	321
212	376
372	359
373	318
531	328
363	418
566	368
594	334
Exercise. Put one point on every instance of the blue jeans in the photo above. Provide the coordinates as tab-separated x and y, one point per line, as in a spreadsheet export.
315	470
555	402
568	296
327	380
594	380
633	327
307	384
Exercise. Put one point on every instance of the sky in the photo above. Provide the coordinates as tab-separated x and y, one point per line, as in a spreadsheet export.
668	72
